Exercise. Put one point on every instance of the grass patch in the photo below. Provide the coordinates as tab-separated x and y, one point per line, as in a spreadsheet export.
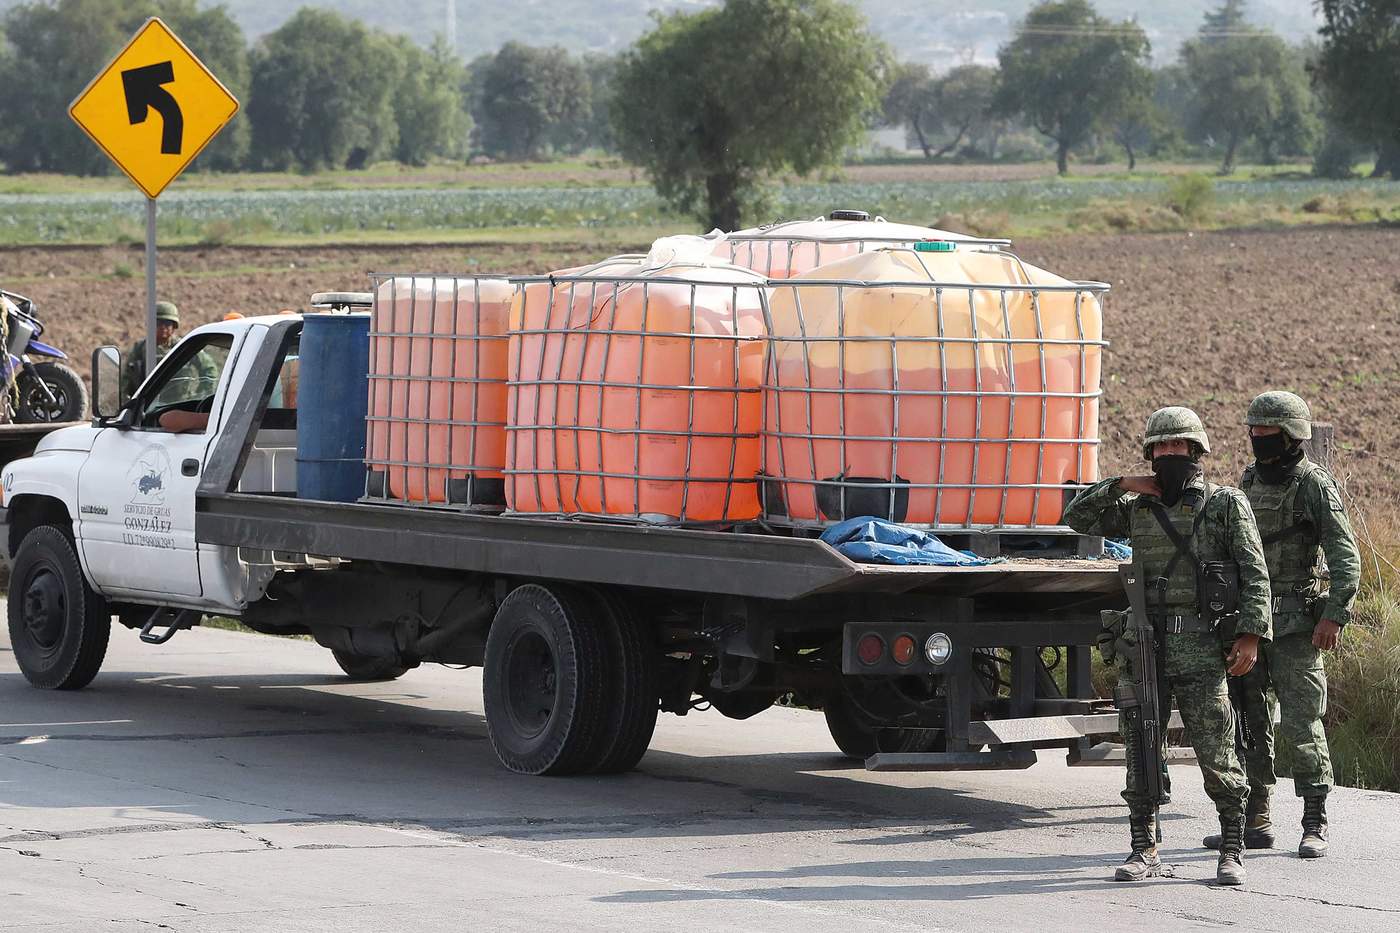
1363	675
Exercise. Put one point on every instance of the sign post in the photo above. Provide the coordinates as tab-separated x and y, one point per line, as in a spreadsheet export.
154	73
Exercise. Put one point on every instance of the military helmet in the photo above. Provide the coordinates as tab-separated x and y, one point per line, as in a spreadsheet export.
1281	410
166	311
1171	424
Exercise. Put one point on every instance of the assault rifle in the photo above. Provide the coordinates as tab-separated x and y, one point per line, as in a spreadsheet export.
1139	700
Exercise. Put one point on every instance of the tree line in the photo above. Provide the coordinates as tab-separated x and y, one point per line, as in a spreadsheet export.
322	91
714	103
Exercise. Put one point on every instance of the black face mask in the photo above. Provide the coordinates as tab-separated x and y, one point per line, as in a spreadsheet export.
1269	446
1280	457
1173	473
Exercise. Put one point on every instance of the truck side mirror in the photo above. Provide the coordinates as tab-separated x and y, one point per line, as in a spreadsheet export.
106	382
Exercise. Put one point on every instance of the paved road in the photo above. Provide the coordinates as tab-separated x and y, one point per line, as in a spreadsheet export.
234	782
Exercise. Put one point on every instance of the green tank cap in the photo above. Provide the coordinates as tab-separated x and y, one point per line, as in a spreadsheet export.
934	246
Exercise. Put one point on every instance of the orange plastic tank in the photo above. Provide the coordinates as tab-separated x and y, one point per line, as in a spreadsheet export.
437	406
634	389
783	250
961	404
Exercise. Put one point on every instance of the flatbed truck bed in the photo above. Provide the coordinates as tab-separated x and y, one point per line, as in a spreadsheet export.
585	630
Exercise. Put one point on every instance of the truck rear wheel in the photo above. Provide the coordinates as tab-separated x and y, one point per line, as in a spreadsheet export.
58	624
856	739
545	683
362	667
634	691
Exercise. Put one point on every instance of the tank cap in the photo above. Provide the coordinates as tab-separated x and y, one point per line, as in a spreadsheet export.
934	246
849	215
342	301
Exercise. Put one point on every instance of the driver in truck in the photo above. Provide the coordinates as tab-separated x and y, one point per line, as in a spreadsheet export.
1188	535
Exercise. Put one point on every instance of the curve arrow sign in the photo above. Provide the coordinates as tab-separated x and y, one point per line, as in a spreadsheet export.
144	93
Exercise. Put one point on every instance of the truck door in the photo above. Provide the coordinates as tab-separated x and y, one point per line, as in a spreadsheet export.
136	490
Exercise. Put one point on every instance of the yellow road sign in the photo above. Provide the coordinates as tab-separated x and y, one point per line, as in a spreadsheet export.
154	108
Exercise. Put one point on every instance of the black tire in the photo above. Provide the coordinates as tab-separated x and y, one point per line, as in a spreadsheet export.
360	667
70	398
857	740
58	625
634	688
545	683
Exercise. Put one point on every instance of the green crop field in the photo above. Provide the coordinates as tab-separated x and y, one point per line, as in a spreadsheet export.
578	200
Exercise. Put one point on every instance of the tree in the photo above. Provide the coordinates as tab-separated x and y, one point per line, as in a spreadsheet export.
965	98
1359	69
428	104
53	50
601	71
218	42
1068	70
322	94
531	101
713	103
911	101
1248	84
1135	124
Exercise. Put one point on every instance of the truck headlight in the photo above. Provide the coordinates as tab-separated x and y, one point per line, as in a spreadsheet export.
938	649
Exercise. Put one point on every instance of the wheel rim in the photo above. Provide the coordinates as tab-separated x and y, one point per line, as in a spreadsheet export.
40	406
531	683
45	610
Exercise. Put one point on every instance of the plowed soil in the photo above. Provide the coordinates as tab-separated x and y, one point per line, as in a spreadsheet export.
1205	320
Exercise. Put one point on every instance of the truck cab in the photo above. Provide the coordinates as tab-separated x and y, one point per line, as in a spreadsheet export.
121	491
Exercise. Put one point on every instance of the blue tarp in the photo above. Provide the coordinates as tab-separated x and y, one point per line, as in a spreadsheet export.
876	541
869	540
1116	550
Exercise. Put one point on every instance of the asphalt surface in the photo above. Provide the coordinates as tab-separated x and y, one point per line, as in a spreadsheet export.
236	782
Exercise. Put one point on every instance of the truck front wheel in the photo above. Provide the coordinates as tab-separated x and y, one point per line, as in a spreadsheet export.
544	685
58	624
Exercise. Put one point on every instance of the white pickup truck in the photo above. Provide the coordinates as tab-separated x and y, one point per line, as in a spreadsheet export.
181	502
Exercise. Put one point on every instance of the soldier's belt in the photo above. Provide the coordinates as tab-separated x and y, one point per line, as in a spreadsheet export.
1282	604
1183	624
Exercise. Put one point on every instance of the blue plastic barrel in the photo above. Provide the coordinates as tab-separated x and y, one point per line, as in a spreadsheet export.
332	403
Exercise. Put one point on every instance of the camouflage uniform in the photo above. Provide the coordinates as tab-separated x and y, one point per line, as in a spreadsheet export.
134	371
1299	517
1193	666
206	371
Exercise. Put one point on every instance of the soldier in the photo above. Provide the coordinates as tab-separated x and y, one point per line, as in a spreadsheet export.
1300	514
167	327
1176	522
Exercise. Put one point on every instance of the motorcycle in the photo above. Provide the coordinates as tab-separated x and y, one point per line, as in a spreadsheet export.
46	391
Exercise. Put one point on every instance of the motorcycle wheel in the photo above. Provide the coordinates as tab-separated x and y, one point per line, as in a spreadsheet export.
70	398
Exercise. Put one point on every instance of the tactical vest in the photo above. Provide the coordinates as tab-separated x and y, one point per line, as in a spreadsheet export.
1291	541
1156	551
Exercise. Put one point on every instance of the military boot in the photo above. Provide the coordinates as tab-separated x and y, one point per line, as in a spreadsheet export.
1144	862
1230	869
1314	844
1258	826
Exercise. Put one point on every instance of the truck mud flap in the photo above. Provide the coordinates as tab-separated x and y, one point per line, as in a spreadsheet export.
1006	759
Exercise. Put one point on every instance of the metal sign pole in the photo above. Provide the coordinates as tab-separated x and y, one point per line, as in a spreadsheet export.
150	285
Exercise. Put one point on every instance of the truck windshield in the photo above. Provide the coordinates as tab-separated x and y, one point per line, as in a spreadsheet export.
197	377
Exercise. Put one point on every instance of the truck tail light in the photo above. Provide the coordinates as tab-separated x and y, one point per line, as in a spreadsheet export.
870	649
903	649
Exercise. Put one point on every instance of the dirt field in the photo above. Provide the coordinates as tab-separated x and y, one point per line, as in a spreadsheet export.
1205	320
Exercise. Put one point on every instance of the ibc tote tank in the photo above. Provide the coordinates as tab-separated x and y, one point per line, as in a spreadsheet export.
959	389
783	250
634	389
436	427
